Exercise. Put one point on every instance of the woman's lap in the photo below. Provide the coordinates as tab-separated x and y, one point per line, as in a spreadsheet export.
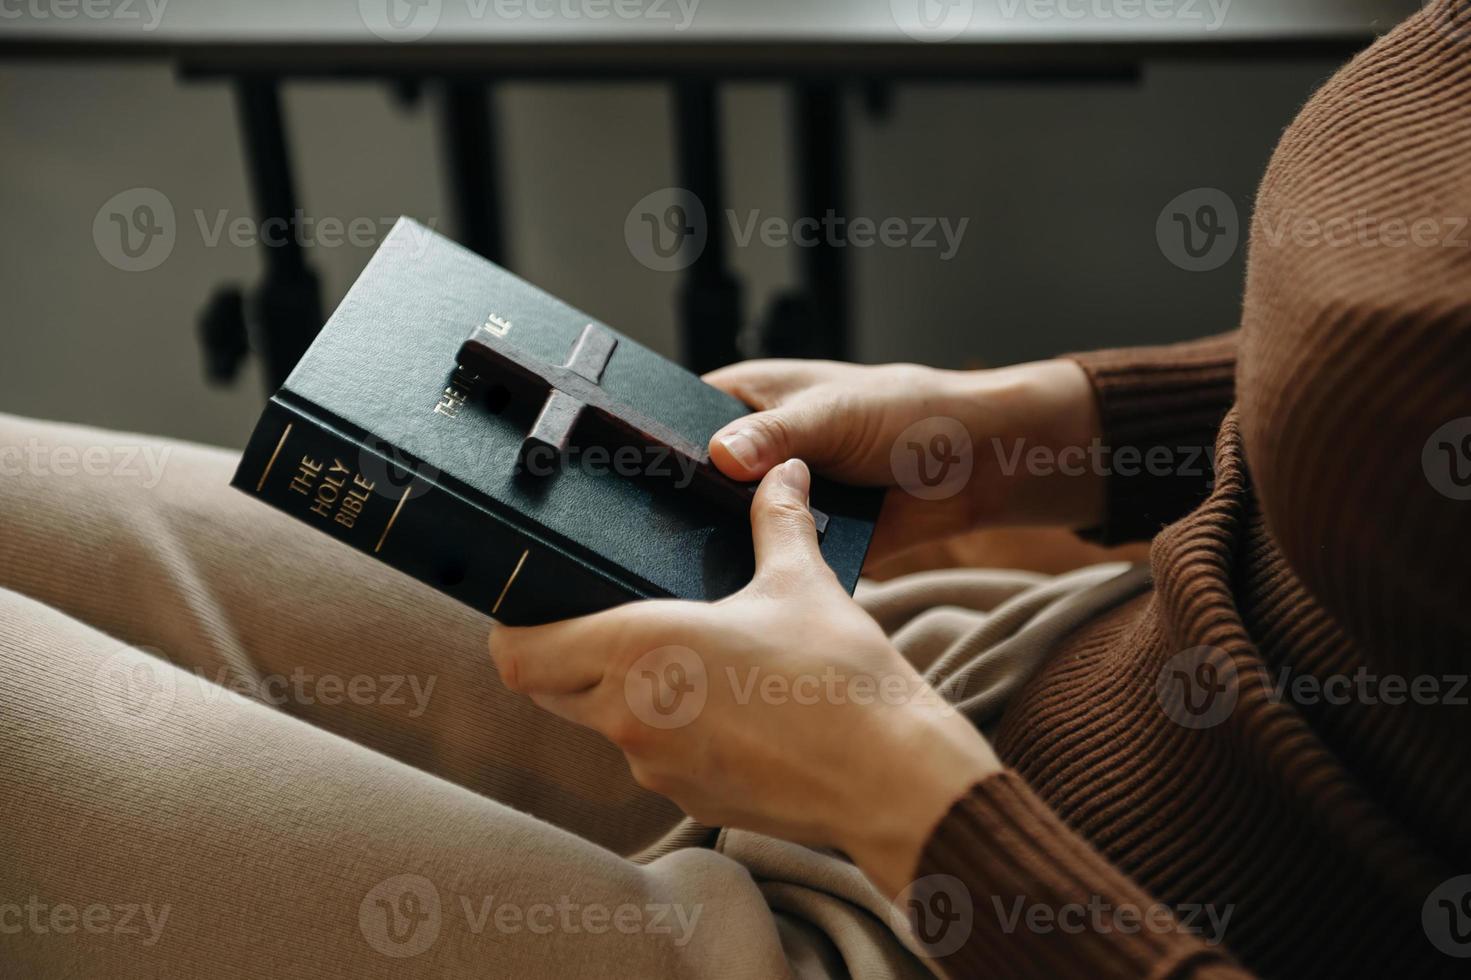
309	761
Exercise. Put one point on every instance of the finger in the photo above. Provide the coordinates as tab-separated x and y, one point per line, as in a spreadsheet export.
763	383
750	446
564	657
782	529
579	708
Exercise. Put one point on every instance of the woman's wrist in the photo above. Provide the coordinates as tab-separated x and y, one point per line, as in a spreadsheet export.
1035	428
929	758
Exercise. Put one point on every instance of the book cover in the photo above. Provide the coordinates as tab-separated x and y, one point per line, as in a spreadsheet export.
383	440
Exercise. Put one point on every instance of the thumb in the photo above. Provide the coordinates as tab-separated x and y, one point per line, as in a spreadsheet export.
782	528
750	446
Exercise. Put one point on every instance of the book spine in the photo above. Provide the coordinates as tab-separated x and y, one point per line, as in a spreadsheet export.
378	500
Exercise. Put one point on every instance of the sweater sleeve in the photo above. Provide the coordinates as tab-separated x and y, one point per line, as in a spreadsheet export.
1161	408
1030	898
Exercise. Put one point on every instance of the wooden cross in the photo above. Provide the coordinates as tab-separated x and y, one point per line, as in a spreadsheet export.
575	389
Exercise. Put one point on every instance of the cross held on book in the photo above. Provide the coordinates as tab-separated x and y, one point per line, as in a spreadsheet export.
574	389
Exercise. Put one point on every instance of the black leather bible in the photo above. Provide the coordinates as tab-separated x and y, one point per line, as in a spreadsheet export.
484	437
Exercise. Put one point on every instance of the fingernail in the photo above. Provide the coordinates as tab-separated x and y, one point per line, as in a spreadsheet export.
795	475
742	447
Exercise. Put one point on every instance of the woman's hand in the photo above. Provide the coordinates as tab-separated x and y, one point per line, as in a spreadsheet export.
782	709
954	445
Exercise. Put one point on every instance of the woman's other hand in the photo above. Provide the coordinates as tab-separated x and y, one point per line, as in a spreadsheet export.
958	449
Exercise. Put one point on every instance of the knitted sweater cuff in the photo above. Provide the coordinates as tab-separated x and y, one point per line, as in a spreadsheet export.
1005	889
1161	408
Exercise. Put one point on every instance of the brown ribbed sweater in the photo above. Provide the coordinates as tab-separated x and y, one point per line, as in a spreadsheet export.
1323	549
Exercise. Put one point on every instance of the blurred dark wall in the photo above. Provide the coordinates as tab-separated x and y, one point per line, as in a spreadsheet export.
1060	188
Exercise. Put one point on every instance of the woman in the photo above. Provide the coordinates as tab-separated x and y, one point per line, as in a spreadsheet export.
1331	547
1246	764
